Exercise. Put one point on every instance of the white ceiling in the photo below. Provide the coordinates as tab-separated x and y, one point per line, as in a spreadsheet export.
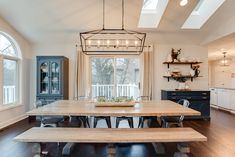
60	21
226	44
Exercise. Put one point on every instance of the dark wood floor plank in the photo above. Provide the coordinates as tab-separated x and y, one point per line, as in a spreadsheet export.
220	132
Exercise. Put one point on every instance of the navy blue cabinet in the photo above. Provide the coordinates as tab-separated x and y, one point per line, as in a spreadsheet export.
199	100
52	78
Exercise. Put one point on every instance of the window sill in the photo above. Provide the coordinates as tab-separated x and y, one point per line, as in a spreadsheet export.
9	106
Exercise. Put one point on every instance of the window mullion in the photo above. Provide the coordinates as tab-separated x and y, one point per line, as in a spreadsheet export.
114	77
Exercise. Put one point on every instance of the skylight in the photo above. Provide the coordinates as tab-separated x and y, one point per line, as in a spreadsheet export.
150	5
201	13
151	13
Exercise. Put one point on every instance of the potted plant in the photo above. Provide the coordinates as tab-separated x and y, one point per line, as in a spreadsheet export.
181	81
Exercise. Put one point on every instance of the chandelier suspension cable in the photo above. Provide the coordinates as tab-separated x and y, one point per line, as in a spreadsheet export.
122	14
103	13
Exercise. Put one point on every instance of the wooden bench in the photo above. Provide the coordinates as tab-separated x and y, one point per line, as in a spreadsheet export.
103	135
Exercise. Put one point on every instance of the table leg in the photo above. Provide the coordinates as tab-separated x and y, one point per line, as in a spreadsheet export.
111	150
68	148
38	150
159	148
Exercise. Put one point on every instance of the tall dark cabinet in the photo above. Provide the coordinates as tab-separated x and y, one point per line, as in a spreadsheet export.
52	78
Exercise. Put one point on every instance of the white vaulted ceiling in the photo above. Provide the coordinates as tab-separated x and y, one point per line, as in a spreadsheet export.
60	21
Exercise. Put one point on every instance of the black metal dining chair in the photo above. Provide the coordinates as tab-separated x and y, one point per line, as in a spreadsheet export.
98	118
48	121
128	119
83	119
177	121
143	119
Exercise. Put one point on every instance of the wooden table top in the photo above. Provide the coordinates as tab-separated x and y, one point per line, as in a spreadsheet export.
106	135
86	108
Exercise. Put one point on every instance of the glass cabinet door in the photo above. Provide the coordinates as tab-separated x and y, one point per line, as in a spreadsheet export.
44	78
55	78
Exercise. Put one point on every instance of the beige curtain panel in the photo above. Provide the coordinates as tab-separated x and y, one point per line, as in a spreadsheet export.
146	84
82	79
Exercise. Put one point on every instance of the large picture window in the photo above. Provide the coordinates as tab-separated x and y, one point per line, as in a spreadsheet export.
114	77
10	71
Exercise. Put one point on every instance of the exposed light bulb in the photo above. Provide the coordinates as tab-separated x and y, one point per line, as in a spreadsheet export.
98	43
117	43
127	42
89	43
136	42
183	2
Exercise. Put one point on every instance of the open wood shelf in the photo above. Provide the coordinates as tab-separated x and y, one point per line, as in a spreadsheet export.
190	63
185	76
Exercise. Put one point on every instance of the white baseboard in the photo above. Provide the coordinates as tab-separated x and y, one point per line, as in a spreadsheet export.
12	121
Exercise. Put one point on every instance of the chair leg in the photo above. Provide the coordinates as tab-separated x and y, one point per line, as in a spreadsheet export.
117	122
141	122
108	122
181	124
131	123
87	124
95	122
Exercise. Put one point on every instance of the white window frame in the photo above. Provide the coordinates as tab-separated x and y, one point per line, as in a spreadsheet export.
114	66
18	72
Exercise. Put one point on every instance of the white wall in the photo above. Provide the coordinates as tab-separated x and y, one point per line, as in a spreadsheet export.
190	51
222	76
160	54
11	115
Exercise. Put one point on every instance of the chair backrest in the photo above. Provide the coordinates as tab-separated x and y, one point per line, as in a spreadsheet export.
38	103
185	103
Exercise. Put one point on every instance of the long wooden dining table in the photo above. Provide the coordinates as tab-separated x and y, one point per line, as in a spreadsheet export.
89	108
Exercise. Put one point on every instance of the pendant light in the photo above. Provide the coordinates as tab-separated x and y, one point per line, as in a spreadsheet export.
112	41
224	61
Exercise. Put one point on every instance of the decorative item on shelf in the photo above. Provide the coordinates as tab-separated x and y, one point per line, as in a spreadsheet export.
183	59
175	54
168	73
176	73
192	72
182	83
112	41
45	79
196	70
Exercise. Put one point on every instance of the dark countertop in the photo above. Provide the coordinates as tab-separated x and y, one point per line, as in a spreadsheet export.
192	90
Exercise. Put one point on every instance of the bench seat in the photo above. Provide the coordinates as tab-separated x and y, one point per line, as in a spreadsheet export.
105	135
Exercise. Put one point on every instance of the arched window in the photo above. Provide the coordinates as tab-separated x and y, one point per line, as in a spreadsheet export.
9	60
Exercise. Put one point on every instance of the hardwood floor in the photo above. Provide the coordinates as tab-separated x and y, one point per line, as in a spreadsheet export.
220	132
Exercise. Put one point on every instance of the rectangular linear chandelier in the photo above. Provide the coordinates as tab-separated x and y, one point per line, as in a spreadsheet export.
112	41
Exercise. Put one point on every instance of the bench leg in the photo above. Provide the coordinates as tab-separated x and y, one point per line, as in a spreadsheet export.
111	150
183	150
180	154
38	150
68	148
159	148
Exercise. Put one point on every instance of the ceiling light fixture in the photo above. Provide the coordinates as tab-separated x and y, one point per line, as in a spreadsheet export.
112	41
224	61
183	2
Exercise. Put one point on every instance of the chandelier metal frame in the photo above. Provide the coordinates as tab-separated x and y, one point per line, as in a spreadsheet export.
112	41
